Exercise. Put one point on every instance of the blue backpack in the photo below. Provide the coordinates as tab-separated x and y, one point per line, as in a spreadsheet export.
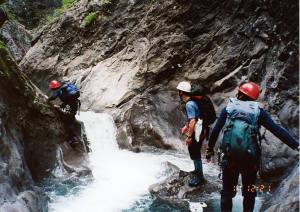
241	130
70	89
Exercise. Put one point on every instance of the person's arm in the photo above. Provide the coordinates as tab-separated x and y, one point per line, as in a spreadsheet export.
191	113
191	127
217	129
53	96
281	133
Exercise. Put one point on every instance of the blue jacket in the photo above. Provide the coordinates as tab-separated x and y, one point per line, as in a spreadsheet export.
265	120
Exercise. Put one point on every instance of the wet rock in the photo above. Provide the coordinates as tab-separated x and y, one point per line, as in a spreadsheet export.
175	188
277	157
286	196
146	121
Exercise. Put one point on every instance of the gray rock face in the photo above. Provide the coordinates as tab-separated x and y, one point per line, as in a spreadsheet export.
31	131
132	56
286	196
17	39
32	11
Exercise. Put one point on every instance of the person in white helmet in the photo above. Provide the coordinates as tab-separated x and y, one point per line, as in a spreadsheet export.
192	114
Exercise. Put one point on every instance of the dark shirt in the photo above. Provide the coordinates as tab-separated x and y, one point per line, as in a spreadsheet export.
265	120
61	95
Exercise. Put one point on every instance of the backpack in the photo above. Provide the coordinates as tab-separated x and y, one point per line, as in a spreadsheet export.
205	105
241	130
70	90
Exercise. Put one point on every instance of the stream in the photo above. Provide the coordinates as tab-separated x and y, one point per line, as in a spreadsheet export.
121	178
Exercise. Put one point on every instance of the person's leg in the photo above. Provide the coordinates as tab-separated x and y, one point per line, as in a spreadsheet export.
73	103
249	187
195	154
230	177
198	168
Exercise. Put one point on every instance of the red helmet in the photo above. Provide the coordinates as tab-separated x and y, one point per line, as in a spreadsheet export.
250	89
54	84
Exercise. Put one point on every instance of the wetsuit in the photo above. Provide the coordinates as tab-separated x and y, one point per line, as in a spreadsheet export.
248	169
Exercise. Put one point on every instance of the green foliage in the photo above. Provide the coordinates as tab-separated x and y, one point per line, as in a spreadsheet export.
2	45
59	11
105	2
90	18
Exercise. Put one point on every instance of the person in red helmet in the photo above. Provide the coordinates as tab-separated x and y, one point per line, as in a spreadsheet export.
240	150
67	92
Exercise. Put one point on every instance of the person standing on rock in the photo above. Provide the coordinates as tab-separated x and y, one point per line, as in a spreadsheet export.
192	114
240	148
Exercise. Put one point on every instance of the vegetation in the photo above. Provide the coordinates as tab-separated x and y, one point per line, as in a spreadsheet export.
90	18
59	11
2	45
105	2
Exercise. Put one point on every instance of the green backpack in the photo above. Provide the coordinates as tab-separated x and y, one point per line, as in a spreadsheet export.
241	130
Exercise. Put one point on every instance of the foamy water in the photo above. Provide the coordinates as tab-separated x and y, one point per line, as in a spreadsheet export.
120	177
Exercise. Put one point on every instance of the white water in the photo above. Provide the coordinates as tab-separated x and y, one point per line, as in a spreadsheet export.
120	177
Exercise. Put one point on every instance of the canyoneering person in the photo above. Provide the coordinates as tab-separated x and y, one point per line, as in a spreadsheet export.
240	146
68	93
194	110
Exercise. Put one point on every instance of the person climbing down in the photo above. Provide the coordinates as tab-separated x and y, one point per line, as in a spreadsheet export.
240	148
68	93
193	112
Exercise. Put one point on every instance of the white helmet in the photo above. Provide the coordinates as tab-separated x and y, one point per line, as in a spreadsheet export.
184	86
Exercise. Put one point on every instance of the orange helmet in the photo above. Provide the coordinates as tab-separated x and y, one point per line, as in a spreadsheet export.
250	89
54	84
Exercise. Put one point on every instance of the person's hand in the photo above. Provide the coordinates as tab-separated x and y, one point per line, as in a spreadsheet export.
184	130
56	106
188	141
209	154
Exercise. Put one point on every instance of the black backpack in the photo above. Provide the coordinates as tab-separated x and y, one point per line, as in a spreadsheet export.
205	105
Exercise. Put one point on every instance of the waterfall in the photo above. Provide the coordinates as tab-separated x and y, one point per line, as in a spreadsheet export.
120	177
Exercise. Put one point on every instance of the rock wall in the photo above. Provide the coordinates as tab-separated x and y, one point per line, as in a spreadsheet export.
31	132
16	38
31	12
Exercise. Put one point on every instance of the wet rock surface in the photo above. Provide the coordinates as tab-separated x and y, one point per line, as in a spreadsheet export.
176	188
175	191
286	196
